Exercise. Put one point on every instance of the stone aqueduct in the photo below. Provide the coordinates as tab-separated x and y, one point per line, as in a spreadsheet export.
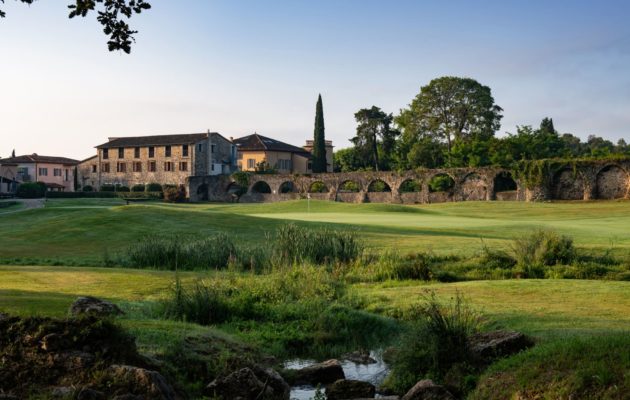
578	181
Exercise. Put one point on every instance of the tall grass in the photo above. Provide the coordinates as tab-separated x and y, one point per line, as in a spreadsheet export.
293	244
540	249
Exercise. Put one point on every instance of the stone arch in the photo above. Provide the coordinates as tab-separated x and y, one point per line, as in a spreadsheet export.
410	185
474	187
379	186
505	186
441	182
261	187
287	187
349	186
202	192
611	182
567	184
318	187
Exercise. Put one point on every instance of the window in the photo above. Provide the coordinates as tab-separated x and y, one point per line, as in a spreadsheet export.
94	168
251	163
43	171
105	167
185	150
67	175
183	166
212	147
22	170
284	164
121	167
240	156
152	166
151	152
212	166
167	151
57	172
105	154
200	147
121	152
168	166
137	166
136	152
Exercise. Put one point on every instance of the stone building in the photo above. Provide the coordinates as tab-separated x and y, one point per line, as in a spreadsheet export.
56	172
163	159
284	158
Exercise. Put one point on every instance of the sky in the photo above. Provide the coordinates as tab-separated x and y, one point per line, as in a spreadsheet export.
239	67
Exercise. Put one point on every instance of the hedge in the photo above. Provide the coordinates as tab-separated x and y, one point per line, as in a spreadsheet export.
105	195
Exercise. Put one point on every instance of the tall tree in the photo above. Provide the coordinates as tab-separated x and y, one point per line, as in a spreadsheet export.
112	15
319	139
546	125
451	109
374	136
13	153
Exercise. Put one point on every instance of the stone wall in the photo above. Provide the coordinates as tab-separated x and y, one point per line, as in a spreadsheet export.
584	181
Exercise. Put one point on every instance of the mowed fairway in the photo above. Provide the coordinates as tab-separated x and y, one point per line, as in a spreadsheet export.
82	231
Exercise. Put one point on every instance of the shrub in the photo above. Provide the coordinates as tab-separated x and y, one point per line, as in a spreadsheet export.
88	188
410	186
31	190
202	304
436	342
296	244
138	187
349	186
154	187
123	189
379	186
241	178
441	183
77	195
175	194
318	187
542	248
108	188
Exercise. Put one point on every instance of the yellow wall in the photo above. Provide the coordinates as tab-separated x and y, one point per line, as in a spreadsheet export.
299	164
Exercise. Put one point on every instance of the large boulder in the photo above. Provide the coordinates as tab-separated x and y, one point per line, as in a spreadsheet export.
350	389
269	376
488	346
427	390
359	357
129	380
321	373
92	306
240	385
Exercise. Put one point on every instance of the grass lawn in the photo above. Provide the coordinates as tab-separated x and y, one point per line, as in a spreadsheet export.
82	231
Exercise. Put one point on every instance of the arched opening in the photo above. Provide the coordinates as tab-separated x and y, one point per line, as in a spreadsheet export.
235	189
379	186
261	187
612	183
504	182
567	185
441	183
410	186
287	187
318	187
349	187
202	192
474	188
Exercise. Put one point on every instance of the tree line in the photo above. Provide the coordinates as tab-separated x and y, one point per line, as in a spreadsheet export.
452	123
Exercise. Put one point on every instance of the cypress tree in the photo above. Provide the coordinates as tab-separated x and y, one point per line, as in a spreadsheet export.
319	143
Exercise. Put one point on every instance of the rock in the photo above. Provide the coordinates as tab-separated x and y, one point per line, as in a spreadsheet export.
281	388
93	306
488	346
359	357
427	390
322	373
91	394
350	389
140	381
76	360
242	385
62	392
53	342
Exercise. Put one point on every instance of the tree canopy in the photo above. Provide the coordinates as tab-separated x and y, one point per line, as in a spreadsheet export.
375	139
112	14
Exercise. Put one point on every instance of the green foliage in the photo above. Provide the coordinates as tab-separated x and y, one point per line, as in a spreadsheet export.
122	188
375	139
441	183
319	140
542	248
88	188
435	343
108	188
293	243
410	186
318	187
379	186
348	160
202	304
349	186
31	190
154	187
241	178
174	194
140	187
77	195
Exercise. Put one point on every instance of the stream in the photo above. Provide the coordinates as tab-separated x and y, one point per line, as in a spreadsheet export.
374	373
